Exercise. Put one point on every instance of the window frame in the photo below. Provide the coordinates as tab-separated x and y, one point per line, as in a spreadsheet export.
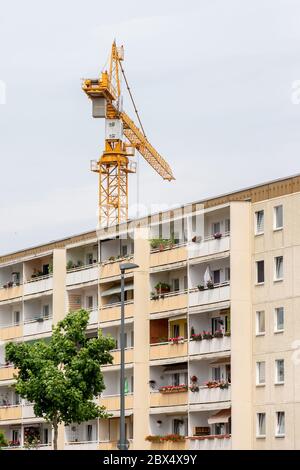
277	381
275	208
257	331
258	383
276	258
256	229
276	311
277	434
260	435
259	283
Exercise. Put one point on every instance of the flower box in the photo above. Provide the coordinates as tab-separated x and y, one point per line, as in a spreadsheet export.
173	389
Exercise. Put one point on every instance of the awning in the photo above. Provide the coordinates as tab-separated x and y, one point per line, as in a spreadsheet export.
175	367
116	290
221	417
222	360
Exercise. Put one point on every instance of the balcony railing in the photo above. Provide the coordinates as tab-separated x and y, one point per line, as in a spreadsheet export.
209	246
170	301
207	346
12	292
116	354
13	330
83	274
37	325
218	442
111	445
168	255
111	267
7	372
168	399
210	395
219	293
110	312
83	445
112	402
38	284
166	350
10	412
169	445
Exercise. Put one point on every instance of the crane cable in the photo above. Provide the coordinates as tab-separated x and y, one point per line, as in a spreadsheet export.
132	99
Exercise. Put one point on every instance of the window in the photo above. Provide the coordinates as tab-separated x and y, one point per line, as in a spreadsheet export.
216	228
185	282
175	285
227	274
178	426
176	331
280	424
45	269
45	311
278	217
15	435
216	374
260	373
46	436
279	371
279	319
261	425
260	323
89	258
278	275
217	324
124	250
89	432
227	225
260	272
89	302
132	338
216	276
176	379
259	222
16	318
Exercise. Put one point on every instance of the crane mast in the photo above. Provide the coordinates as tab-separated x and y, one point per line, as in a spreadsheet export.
116	161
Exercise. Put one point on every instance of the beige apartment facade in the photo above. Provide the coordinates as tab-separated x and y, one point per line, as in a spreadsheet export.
211	320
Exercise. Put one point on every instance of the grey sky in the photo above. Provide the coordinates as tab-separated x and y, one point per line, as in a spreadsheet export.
212	79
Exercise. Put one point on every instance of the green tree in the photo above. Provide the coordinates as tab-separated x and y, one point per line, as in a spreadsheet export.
63	376
3	441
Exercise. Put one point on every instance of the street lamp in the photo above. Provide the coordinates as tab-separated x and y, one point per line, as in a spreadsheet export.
123	444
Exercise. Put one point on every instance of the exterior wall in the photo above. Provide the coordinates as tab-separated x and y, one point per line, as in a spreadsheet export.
59	285
241	325
270	346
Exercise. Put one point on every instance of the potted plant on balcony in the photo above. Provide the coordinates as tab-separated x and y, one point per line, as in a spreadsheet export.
70	265
210	285
200	287
173	388
154	296
162	287
218	334
174	437
217	235
196	337
207	335
176	340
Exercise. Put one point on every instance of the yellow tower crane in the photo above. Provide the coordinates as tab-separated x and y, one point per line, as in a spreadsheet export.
116	161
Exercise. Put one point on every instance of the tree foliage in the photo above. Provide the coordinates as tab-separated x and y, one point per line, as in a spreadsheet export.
62	377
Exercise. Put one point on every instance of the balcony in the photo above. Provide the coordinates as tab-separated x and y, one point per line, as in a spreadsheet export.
207	346
169	445
111	312
112	402
170	301
38	284
167	350
10	412
7	372
10	332
219	442
168	399
84	445
28	410
111	445
219	293
82	274
9	293
111	268
36	326
209	246
210	395
168	256
116	354
93	318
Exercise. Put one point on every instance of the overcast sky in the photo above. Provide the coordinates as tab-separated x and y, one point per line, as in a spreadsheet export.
212	80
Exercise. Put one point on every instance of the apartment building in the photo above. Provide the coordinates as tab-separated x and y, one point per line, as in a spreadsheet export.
211	316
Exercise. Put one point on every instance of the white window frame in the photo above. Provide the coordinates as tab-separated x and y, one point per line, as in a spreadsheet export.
261	230
259	283
276	311
277	381
277	433
258	365
258	332
276	261
259	434
275	227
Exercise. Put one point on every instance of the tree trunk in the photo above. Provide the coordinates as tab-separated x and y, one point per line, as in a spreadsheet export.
55	435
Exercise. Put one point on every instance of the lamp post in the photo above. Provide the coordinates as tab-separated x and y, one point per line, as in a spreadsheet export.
123	444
